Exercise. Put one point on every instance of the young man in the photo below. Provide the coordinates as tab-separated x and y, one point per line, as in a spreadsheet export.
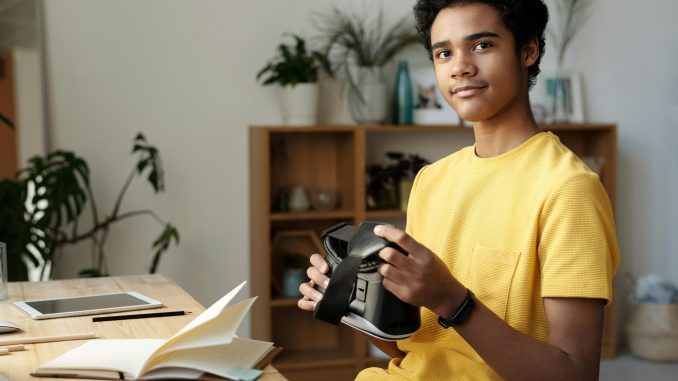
512	245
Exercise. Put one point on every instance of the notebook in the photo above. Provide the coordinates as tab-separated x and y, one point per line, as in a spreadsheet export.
207	344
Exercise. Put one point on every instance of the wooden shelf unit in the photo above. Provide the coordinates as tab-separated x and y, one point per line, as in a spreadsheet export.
336	157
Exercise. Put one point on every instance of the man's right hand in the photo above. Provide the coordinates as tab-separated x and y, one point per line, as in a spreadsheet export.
316	273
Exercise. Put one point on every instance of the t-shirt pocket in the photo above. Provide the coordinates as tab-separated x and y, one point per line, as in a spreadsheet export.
490	276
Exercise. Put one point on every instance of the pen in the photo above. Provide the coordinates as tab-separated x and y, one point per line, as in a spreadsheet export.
139	316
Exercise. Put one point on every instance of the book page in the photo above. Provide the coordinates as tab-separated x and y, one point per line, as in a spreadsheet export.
122	355
222	360
212	312
215	326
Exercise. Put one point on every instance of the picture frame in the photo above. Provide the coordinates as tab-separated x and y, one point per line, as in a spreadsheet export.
564	98
430	108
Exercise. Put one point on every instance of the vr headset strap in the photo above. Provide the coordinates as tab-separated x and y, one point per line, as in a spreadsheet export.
337	297
338	293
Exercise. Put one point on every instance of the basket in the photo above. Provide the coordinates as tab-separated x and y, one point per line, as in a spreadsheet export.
652	331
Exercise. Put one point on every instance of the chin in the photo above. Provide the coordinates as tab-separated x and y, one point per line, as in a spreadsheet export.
473	116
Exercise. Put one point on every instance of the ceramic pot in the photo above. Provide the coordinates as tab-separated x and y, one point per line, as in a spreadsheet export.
299	104
299	199
368	99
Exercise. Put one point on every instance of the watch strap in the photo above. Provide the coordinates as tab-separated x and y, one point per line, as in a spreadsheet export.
461	314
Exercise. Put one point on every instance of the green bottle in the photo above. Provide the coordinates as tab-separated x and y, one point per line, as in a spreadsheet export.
403	105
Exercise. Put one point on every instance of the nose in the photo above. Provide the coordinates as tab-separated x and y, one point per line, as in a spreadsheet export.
462	66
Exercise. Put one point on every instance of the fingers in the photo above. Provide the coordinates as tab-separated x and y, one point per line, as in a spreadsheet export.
392	273
311	296
399	290
397	236
318	262
316	276
316	273
306	305
394	257
310	293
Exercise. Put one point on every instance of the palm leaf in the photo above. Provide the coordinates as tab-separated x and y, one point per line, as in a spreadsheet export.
149	157
60	181
162	243
15	229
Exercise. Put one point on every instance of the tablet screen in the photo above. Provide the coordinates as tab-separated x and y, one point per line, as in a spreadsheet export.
85	303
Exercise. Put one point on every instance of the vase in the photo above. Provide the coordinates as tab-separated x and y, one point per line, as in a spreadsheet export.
368	95
299	201
324	199
403	105
292	278
299	104
559	92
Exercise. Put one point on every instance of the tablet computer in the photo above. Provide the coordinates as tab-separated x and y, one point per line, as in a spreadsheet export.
86	305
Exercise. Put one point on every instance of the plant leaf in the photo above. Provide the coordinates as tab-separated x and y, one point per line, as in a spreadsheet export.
14	229
4	119
149	157
60	181
162	243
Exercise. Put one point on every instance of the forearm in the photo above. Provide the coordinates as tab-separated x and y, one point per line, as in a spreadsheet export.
517	356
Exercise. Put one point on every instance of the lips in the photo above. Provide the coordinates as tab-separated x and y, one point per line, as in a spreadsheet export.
468	91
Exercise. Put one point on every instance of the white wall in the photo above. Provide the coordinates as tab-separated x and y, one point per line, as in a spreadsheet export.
184	74
28	91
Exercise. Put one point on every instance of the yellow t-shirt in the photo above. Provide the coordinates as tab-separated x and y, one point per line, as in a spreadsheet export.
531	223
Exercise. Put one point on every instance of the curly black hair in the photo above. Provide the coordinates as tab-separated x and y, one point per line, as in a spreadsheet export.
524	18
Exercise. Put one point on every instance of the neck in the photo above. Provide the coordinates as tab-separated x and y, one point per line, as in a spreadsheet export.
505	130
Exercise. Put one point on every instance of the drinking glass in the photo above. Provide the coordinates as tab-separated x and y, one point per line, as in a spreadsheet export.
3	271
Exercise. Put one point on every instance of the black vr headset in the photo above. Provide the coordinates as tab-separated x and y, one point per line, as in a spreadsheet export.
355	295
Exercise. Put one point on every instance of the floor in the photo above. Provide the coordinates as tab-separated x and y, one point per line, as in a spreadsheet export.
627	367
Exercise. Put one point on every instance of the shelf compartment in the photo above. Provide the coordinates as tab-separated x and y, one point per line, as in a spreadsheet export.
290	250
314	161
307	339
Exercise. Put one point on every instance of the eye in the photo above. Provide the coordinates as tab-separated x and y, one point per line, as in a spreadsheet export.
482	45
442	54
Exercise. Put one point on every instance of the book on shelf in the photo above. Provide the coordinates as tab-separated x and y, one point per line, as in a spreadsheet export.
205	347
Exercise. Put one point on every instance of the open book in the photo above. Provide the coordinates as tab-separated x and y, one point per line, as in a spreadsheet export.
206	345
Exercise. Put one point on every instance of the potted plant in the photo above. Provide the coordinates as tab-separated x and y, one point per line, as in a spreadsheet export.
41	207
359	44
296	70
565	23
389	185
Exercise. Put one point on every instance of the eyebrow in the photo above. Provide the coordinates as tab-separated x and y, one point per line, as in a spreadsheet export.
478	35
470	37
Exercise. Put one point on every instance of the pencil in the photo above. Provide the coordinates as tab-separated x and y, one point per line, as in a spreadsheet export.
139	316
47	339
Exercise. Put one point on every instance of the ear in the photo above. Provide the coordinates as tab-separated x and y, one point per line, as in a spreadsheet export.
530	52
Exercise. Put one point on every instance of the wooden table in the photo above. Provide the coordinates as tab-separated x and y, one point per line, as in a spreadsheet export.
18	365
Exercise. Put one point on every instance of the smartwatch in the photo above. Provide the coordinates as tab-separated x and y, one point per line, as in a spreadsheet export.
461	314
